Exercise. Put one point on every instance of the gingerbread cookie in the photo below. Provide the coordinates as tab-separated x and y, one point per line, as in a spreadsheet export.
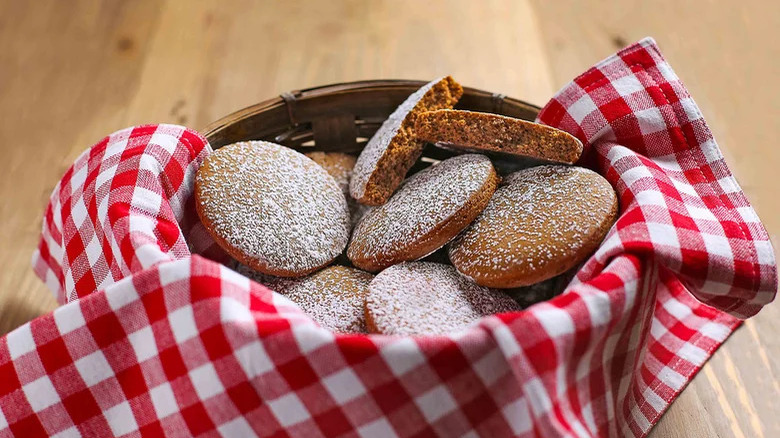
480	132
429	209
339	165
272	208
334	296
541	223
394	148
421	298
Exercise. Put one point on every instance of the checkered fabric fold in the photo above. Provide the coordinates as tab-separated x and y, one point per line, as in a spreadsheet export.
154	339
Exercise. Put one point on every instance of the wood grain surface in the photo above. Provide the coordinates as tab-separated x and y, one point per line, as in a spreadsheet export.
72	72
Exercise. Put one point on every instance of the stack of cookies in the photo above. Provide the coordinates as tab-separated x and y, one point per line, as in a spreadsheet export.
427	253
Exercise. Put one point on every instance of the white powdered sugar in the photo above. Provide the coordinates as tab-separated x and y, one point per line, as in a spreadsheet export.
540	217
377	145
339	165
419	298
422	205
276	209
334	296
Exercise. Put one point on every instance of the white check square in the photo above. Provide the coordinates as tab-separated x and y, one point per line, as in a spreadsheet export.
517	415
20	341
163	400
692	354
583	107
93	250
143	343
141	224
230	310
764	252
182	322
71	432
436	403
310	337
631	176
78	212
41	394
671	377
173	272
491	367
663	234
79	176
715	331
344	386
206	381
122	296
556	322
105	175
717	245
650	120
165	140
289	410
238	427
121	419
402	355
537	396
94	368
254	359
146	200
69	318
379	428
627	85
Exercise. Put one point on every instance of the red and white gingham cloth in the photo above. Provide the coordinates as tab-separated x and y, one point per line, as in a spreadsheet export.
156	341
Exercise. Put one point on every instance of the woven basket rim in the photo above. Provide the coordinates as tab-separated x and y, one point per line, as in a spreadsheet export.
214	128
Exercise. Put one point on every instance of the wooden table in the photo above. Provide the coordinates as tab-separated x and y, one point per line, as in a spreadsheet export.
72	72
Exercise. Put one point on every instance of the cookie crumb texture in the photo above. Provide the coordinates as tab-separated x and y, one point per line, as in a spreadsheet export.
541	223
476	131
421	298
272	208
429	209
334	296
394	148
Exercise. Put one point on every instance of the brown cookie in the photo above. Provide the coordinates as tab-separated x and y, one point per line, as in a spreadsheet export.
421	298
394	148
541	223
481	132
429	209
334	296
272	208
339	165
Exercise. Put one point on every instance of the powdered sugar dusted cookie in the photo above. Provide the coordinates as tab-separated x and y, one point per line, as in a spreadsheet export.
334	296
339	165
272	208
429	209
541	223
394	148
482	132
421	298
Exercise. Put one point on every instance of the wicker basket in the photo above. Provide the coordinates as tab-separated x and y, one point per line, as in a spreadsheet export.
342	117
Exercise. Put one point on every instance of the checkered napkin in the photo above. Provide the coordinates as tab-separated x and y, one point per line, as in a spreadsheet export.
152	340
